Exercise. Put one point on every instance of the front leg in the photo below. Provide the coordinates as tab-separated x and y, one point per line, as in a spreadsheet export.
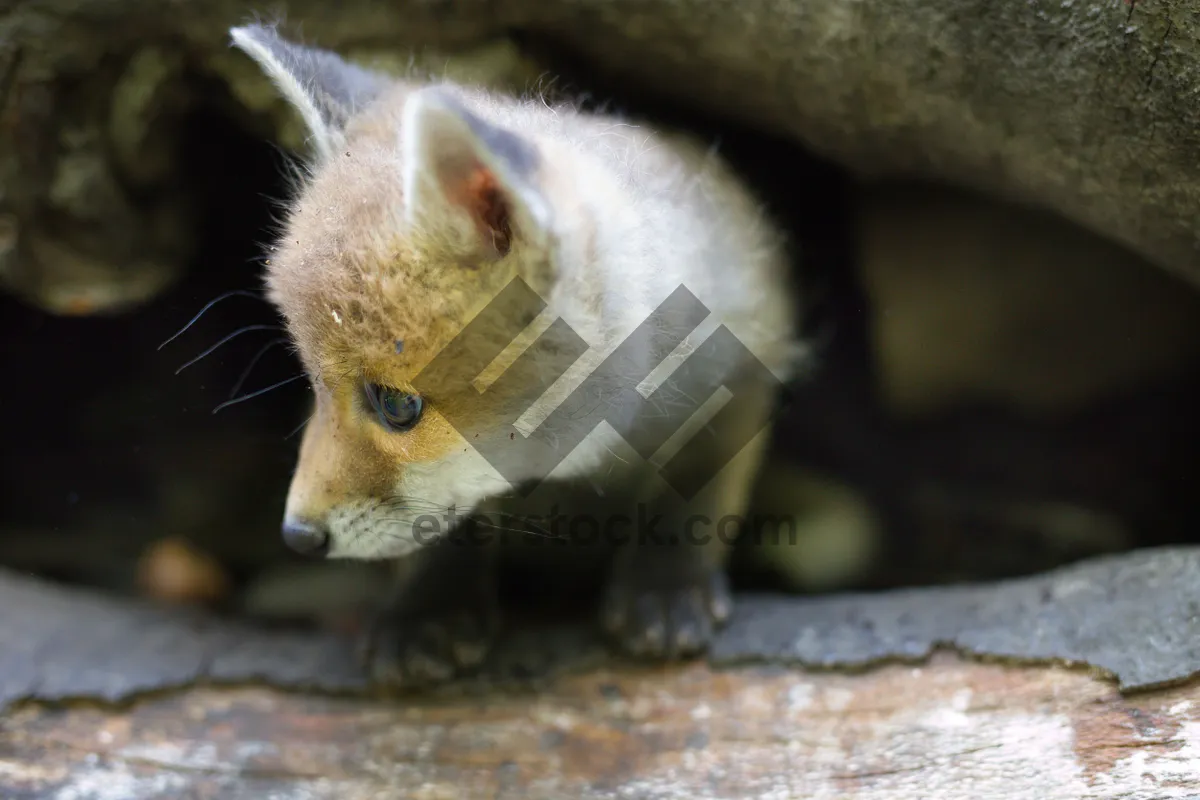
666	597
668	593
442	617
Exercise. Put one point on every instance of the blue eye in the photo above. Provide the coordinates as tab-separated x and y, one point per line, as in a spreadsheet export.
397	410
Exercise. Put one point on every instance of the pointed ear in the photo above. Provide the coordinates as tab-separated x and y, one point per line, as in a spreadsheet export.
469	181
324	88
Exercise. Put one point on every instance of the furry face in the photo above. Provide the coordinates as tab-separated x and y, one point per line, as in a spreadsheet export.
422	204
417	212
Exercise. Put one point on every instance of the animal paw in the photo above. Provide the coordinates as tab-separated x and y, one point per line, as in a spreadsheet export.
660	611
412	650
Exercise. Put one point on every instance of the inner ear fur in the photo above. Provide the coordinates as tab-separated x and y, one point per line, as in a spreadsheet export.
460	167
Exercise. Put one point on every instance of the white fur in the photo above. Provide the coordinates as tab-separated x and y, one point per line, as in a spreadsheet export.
434	132
663	212
659	229
325	139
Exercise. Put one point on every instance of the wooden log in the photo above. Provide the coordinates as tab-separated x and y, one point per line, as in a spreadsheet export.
1003	690
948	729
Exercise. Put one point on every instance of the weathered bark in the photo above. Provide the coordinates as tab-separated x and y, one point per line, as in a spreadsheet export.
1130	616
113	699
947	729
1085	107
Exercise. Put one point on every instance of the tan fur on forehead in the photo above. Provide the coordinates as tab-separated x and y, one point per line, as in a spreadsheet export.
601	217
350	282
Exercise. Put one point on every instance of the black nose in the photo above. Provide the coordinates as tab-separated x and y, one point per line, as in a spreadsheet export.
306	538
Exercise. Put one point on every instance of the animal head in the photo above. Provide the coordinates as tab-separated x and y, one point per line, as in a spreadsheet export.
416	212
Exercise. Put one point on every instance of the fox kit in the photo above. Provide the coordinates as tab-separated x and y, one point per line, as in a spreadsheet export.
440	227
